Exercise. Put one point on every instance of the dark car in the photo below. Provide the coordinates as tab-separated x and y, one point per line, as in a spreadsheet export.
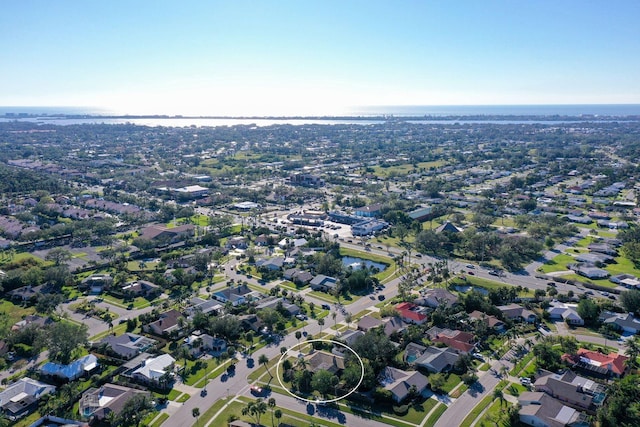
552	284
381	297
326	307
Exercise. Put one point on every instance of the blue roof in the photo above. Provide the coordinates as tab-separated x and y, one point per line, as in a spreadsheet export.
71	371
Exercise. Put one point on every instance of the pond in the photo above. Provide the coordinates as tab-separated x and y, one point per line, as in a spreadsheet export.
468	288
354	262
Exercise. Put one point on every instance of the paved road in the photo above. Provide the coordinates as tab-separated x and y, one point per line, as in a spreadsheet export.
460	408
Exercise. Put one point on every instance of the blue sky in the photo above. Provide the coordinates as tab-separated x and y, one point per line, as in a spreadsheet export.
316	56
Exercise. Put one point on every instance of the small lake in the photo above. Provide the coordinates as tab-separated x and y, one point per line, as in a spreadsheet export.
355	263
469	288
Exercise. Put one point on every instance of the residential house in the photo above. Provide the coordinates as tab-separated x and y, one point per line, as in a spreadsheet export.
161	234
491	321
433	359
236	295
26	293
323	283
142	288
251	322
32	320
53	421
271	264
623	322
541	410
74	370
21	397
594	258
411	313
153	369
447	227
589	272
437	296
558	310
460	341
349	337
573	390
326	361
298	276
204	306
517	313
127	345
400	382
99	403
96	283
169	322
275	303
199	343
237	242
389	325
598	364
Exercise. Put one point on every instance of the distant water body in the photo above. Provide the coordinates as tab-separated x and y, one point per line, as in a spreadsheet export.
463	114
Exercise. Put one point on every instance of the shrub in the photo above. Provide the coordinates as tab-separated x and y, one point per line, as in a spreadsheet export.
400	410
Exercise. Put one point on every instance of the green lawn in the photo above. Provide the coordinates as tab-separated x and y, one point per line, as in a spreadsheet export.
452	381
198	377
515	389
161	419
435	415
14	312
496	412
558	263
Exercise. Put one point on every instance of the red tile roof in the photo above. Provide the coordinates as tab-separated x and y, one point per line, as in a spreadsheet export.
613	362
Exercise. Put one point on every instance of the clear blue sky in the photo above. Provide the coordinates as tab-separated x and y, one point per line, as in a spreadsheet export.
316	56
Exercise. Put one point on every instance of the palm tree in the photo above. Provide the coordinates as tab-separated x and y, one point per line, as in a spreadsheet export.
348	318
278	414
335	323
633	351
196	414
264	360
497	394
255	409
298	336
271	403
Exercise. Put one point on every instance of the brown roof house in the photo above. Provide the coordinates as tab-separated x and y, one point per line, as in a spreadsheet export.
160	234
168	323
322	360
98	403
400	382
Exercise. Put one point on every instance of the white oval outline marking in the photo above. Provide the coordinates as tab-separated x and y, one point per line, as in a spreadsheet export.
317	401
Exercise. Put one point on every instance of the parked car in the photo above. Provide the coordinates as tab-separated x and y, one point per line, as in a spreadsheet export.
525	381
470	266
256	389
326	307
478	356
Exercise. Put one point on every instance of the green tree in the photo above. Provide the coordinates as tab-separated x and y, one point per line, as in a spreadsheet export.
264	361
63	338
134	411
278	415
437	381
58	255
621	409
323	382
588	310
195	412
633	350
630	300
255	409
271	403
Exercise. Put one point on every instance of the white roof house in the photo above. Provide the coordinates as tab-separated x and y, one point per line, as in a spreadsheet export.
566	312
153	368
